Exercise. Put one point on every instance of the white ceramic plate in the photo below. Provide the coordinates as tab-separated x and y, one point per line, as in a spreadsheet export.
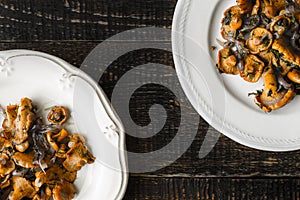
222	100
49	81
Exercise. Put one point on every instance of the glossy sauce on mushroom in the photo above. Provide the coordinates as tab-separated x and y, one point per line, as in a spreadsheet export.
36	160
262	40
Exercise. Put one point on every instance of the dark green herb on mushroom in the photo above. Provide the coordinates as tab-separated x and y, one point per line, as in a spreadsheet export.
270	31
40	161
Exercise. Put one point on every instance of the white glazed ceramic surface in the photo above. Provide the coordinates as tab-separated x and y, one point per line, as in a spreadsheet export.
222	100
49	81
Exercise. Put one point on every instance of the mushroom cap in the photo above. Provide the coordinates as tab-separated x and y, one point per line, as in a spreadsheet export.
44	194
77	157
287	53
227	61
63	191
260	40
245	5
19	161
270	98
253	68
58	115
232	21
22	147
272	8
294	75
54	174
24	159
23	121
280	24
11	113
7	168
21	188
267	103
5	145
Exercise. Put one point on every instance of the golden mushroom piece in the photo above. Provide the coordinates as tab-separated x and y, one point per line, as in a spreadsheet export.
23	147
5	146
227	62
271	8
245	5
24	160
58	115
18	122
280	24
268	57
54	174
260	40
255	7
77	157
4	182
63	191
11	113
285	53
232	21
270	98
294	76
263	40
39	161
21	188
45	194
6	167
62	134
253	68
51	141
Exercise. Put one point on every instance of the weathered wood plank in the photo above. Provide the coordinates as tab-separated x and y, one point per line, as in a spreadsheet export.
227	158
70	29
72	52
79	20
212	188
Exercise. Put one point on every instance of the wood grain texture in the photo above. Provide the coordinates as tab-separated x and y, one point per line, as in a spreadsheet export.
227	158
212	188
73	52
79	19
71	29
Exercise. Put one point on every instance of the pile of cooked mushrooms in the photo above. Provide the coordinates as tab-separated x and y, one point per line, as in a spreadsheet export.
39	161
262	40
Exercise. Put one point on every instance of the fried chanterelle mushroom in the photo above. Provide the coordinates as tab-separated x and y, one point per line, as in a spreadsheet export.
21	188
39	161
58	115
272	97
227	61
262	40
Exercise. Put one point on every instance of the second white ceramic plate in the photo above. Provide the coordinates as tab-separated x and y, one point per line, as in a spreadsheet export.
49	81
222	100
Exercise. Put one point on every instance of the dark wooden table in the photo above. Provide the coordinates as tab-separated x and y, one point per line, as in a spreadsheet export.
70	29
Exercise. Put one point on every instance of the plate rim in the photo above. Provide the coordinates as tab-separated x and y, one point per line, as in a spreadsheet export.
178	36
117	128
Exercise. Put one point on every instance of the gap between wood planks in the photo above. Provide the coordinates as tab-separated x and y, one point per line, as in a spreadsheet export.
251	176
